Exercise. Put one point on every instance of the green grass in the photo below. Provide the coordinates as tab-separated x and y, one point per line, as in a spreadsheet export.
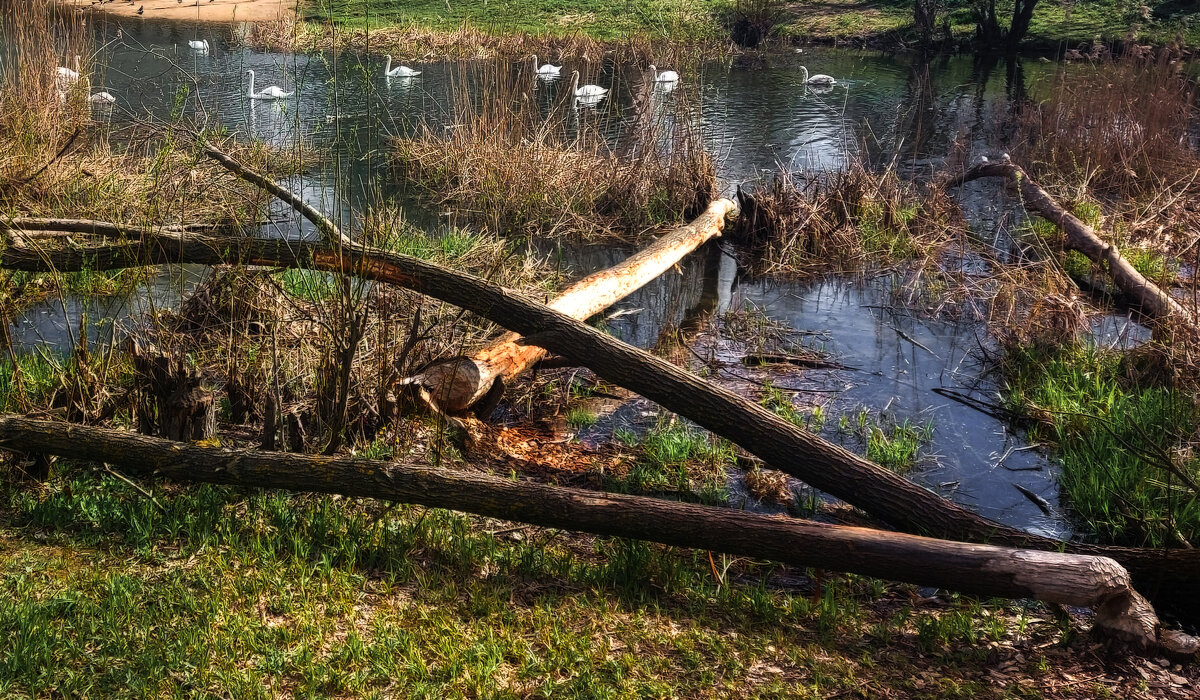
598	19
36	374
257	594
580	417
679	458
1114	436
1054	22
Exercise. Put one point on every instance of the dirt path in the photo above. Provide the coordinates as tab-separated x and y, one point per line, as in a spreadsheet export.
197	10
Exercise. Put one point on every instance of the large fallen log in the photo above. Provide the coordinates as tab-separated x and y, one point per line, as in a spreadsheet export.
1070	579
1159	574
458	383
1081	237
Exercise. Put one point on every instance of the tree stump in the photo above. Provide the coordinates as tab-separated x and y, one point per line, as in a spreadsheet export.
171	400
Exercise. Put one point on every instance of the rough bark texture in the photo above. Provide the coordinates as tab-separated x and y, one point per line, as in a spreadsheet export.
456	385
1070	579
1160	574
1081	237
172	401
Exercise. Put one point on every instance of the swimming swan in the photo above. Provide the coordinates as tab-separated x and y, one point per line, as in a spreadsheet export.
818	79
401	72
586	90
63	76
546	69
271	93
201	45
667	76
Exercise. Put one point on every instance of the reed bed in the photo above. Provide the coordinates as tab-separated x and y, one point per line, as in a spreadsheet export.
469	42
1118	134
516	170
803	224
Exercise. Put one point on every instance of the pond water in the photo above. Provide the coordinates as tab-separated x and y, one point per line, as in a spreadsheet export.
756	115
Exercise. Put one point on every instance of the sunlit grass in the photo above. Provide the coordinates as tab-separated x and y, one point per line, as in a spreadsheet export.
1118	442
260	594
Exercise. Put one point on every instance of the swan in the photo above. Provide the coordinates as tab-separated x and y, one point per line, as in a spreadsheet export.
104	98
667	76
64	76
270	93
586	90
401	72
546	69
201	45
818	79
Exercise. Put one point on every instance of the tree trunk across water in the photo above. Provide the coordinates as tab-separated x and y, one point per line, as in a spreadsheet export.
1160	574
456	385
1081	237
1070	579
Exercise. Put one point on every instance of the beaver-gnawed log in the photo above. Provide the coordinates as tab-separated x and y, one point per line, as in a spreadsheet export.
1070	579
1160	574
1081	237
457	384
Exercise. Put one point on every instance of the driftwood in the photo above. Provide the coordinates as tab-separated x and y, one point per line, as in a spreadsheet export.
1081	237
455	385
1070	579
329	230
1160	574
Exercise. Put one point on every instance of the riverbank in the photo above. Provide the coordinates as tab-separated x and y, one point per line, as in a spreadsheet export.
874	23
197	10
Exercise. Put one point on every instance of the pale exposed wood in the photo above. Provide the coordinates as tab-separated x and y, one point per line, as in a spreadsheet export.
456	385
1172	575
1070	579
1081	237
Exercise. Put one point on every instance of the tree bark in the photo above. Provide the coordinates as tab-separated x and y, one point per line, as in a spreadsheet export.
457	384
1070	579
1081	237
786	447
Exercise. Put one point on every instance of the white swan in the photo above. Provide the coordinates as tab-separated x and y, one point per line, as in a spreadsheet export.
586	90
667	76
546	69
401	72
104	98
818	79
64	77
201	46
270	93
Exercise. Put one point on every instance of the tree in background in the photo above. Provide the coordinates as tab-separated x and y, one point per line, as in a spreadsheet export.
925	14
987	23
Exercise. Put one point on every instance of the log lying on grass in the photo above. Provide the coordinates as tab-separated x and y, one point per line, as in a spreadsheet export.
1160	574
455	385
1081	237
1070	579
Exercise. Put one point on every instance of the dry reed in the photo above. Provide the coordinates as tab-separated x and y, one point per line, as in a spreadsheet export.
515	170
797	224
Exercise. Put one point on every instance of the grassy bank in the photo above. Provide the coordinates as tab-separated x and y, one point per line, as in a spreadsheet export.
1056	23
211	590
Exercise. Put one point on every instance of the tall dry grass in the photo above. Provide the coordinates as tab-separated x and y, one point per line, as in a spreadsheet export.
36	116
801	224
514	169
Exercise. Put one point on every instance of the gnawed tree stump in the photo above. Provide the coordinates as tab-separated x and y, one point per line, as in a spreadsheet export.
172	401
460	383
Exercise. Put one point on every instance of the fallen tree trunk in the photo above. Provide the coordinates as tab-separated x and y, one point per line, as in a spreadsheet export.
786	447
1070	579
1081	237
455	385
